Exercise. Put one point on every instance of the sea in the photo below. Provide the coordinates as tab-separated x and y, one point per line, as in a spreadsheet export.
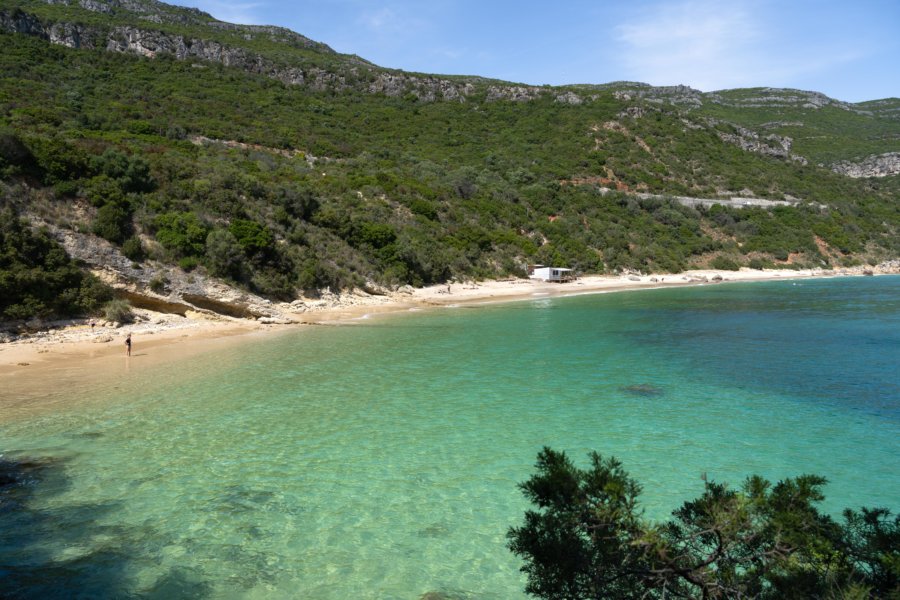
381	458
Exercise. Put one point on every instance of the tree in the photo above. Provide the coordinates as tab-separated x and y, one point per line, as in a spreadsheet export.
588	539
183	233
38	278
224	254
113	222
254	238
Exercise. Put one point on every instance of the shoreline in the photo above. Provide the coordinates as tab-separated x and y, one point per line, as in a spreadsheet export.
36	359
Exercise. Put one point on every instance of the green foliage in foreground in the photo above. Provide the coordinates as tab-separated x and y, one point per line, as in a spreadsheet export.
38	279
588	539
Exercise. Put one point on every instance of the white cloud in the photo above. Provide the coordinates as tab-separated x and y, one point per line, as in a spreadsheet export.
242	13
379	20
388	22
716	45
708	45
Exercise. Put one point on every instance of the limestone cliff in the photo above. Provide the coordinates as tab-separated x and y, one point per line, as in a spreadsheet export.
881	165
345	73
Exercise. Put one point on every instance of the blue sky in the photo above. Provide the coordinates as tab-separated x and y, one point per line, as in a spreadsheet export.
847	50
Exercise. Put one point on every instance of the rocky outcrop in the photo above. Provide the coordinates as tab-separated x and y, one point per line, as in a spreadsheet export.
425	88
879	165
179	291
688	97
676	94
777	146
780	97
64	34
514	93
151	43
569	98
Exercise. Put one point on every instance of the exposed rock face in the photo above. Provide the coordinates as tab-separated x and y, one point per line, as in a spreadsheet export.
685	96
426	89
777	146
676	94
354	72
569	98
183	291
879	165
515	93
150	43
65	34
776	97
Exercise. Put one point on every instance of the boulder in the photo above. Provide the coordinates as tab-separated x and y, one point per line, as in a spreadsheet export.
274	320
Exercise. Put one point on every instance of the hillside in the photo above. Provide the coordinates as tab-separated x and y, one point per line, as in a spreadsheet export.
266	159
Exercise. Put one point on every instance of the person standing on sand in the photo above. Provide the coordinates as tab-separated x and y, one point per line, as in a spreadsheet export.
128	345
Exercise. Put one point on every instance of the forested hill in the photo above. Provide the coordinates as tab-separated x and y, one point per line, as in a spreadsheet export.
262	157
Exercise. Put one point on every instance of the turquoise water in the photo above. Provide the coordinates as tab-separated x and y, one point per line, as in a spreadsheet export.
380	459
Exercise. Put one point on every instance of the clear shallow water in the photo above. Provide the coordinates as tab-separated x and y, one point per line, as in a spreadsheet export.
380	460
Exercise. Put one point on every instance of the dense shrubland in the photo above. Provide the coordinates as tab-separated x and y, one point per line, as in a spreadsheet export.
38	279
308	189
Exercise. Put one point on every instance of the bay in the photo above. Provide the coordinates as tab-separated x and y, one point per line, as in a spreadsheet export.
380	459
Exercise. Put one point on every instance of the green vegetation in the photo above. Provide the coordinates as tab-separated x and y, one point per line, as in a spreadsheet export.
824	135
588	539
333	185
38	279
118	311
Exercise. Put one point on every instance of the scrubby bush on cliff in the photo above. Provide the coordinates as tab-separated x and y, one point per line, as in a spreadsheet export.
224	255
37	277
118	311
113	222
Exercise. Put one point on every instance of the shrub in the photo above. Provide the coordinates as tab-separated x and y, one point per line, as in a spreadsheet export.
37	277
188	263
57	159
183	233
118	311
112	223
724	263
224	254
252	237
158	283
133	249
14	155
132	173
272	284
102	189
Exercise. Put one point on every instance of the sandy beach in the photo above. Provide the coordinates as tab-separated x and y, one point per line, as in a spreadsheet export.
39	361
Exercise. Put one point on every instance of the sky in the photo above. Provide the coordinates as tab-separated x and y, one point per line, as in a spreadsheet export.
849	51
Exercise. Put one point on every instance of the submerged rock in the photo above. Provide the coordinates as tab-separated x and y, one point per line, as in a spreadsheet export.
642	389
445	595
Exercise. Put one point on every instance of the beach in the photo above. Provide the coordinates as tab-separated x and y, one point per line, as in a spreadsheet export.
38	360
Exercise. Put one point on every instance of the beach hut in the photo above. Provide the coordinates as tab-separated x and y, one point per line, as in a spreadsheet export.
558	274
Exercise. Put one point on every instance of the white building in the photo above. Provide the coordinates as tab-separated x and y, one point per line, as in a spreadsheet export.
551	273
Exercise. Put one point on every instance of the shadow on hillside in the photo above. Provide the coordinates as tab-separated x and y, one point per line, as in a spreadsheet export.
67	551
